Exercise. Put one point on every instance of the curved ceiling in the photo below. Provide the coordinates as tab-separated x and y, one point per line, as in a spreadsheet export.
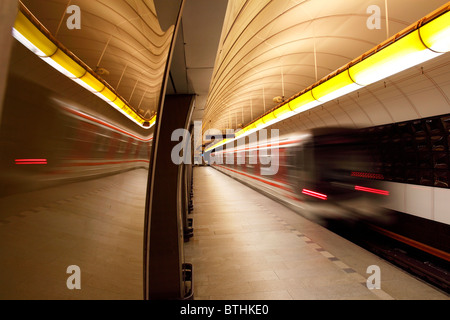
121	40
267	49
278	48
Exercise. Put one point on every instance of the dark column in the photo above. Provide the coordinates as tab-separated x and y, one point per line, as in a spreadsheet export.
187	201
164	229
8	12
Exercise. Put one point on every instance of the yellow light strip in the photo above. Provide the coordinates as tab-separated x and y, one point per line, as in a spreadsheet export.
335	87
424	40
404	53
33	35
435	34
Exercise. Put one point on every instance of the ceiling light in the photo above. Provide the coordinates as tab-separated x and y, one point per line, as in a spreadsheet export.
303	102
400	55
436	34
335	87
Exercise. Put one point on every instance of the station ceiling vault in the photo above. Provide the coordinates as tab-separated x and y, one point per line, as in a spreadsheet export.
241	58
271	50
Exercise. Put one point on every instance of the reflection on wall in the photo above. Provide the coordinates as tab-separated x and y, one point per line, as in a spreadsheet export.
73	171
120	40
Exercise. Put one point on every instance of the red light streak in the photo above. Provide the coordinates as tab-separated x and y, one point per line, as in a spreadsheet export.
368	175
377	191
30	161
315	194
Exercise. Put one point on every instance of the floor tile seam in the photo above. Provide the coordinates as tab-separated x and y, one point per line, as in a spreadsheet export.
335	260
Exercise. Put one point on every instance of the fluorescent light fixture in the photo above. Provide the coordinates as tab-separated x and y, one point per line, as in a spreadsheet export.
304	102
19	37
269	118
335	87
92	82
404	53
246	131
107	95
283	112
436	34
35	39
58	67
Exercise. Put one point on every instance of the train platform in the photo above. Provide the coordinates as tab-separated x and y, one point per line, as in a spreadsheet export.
249	247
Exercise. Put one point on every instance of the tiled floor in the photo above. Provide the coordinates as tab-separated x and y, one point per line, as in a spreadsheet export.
247	246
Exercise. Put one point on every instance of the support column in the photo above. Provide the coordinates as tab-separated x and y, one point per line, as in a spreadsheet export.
187	200
8	13
164	230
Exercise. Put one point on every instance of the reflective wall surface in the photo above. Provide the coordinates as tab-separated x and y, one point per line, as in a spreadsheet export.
72	193
73	182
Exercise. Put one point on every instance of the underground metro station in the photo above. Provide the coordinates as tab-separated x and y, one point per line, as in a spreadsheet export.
225	150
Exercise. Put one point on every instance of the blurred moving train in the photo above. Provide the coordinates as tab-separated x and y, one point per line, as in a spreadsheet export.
46	140
319	171
395	175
